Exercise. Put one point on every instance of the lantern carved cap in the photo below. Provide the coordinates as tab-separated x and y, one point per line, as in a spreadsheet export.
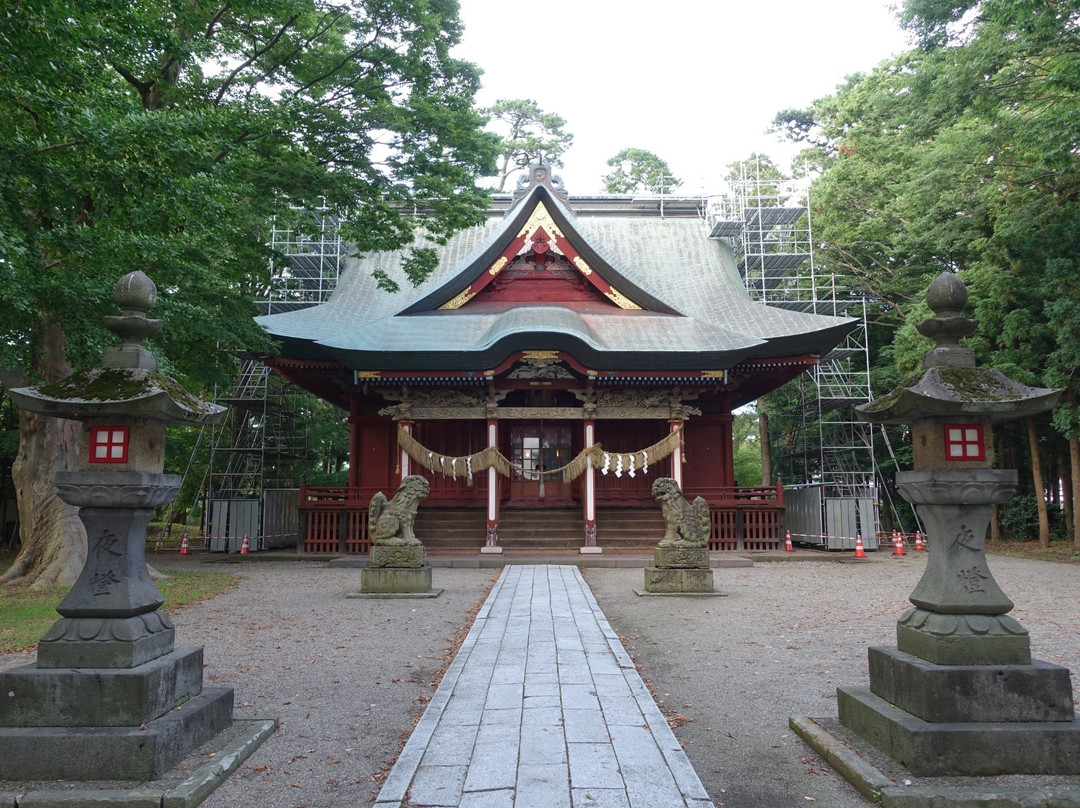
950	384
128	384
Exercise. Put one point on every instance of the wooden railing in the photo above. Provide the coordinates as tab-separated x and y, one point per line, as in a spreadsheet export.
746	518
333	519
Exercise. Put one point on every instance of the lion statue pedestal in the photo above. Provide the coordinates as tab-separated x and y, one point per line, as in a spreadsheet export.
397	563
682	556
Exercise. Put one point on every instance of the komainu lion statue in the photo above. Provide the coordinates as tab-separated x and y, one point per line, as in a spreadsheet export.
685	525
391	522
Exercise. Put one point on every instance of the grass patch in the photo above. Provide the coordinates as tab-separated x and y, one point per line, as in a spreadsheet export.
1062	552
25	616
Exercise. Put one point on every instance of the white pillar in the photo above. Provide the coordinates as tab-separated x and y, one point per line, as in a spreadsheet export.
590	545
406	461
676	456
492	543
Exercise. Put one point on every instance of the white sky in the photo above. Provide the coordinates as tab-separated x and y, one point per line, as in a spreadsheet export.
695	81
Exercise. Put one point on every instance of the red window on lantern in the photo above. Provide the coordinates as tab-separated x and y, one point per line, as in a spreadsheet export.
964	442
109	444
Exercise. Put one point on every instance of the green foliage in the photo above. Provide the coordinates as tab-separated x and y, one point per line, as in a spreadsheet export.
961	154
1021	519
527	135
639	171
746	444
164	136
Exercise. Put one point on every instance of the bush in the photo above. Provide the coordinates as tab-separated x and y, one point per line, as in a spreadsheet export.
1021	519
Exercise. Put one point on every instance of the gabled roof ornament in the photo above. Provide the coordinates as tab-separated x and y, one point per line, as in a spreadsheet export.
539	174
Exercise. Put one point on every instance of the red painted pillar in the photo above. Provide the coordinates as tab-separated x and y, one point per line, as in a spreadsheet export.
354	444
727	450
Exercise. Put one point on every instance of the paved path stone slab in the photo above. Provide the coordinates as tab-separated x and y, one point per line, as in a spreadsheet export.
542	706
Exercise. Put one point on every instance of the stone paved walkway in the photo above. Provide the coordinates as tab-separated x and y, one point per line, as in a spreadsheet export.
542	707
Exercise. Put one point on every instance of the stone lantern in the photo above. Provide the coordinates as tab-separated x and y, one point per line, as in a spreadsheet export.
110	696
960	694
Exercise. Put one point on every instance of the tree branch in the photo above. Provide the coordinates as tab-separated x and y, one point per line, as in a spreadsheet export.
254	57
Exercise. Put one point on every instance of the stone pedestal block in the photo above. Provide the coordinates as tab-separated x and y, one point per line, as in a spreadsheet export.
115	753
966	693
389	580
389	555
681	558
989	748
678	580
99	697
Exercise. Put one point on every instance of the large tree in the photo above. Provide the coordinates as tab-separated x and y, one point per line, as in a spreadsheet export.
527	135
639	171
963	154
163	136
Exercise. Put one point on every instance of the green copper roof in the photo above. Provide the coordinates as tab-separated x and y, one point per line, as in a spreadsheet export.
694	312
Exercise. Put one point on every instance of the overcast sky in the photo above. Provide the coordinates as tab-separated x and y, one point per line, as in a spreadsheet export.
695	81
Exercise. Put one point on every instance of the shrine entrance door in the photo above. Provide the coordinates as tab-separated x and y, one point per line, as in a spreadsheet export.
537	448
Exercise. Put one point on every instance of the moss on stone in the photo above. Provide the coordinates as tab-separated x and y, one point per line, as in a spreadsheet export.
118	384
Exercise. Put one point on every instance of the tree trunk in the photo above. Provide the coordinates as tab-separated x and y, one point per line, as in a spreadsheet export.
1065	485
53	540
1037	482
766	450
1074	465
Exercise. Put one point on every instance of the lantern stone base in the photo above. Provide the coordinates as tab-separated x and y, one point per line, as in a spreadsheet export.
391	580
962	720
92	642
963	639
929	749
139	752
669	581
99	697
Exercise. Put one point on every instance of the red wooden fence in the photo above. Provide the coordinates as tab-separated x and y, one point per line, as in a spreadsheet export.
334	519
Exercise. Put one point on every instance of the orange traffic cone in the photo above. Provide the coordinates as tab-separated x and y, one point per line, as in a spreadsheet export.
859	553
898	544
787	542
245	548
918	541
184	547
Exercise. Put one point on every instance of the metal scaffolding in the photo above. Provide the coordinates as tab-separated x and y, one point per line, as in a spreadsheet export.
259	446
818	443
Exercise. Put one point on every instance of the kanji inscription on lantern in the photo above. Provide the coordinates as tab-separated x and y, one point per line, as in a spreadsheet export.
107	544
101	582
109	444
971	579
965	539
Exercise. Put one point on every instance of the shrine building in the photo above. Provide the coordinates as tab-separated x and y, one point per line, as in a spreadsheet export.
560	358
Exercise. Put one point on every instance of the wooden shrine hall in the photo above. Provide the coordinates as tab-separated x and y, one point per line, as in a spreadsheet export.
561	357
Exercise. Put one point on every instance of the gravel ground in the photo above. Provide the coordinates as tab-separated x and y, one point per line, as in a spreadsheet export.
348	678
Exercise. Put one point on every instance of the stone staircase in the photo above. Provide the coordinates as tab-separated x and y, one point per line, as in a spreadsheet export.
539	531
447	531
629	530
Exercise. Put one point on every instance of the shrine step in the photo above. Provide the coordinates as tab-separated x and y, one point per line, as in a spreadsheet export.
541	528
452	529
